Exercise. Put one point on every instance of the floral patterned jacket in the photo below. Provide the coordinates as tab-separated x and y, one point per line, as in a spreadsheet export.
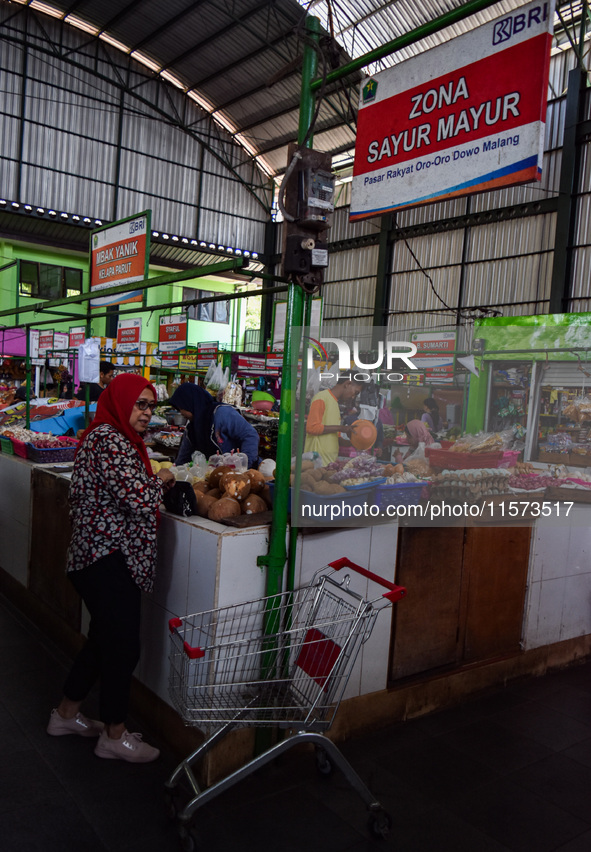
113	505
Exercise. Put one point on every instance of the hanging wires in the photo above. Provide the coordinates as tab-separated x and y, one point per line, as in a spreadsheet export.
466	314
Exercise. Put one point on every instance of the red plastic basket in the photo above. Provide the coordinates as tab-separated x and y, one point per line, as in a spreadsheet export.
510	458
448	460
20	448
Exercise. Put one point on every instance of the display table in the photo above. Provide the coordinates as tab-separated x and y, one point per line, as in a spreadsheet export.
201	565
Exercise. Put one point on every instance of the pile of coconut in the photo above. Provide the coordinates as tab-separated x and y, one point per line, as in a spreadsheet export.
226	494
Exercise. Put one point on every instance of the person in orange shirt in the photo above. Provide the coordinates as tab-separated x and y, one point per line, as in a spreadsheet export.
324	420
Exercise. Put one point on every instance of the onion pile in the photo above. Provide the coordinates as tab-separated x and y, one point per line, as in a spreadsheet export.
527	482
362	468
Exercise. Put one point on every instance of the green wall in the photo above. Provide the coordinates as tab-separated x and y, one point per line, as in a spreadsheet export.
229	335
526	338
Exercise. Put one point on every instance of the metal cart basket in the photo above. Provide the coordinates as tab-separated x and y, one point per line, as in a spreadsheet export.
280	661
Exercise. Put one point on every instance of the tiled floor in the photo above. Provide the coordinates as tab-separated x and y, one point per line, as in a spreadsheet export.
510	771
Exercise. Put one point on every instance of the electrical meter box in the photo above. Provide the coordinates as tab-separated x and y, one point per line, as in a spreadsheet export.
316	199
309	194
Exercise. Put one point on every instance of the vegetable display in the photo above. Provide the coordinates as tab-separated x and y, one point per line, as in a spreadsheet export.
227	494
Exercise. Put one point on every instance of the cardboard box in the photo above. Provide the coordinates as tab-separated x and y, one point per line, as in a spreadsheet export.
554	458
577	460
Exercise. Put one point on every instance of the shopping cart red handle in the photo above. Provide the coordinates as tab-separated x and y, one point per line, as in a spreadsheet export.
193	653
395	593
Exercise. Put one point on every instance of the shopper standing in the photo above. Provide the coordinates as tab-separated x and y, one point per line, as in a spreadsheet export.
114	499
106	371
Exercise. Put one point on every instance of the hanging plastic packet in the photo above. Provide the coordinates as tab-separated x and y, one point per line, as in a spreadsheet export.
89	358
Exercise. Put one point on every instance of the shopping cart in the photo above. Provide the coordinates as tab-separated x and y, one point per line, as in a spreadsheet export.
281	661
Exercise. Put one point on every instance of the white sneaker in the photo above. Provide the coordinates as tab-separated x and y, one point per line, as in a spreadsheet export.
128	747
78	724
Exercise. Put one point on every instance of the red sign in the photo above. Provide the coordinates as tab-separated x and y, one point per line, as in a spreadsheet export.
465	117
206	353
128	335
119	255
274	361
45	341
77	337
435	354
170	362
251	363
172	333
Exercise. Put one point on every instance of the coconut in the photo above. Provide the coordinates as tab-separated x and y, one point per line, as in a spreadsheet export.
227	507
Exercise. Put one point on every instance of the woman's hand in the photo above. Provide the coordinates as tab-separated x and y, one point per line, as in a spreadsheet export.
167	478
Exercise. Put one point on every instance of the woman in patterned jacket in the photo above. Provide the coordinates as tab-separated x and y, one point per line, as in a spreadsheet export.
114	499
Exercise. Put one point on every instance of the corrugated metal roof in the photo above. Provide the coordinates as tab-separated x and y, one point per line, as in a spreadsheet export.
242	57
241	62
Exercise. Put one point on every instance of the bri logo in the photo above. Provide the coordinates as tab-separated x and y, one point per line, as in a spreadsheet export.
502	30
514	24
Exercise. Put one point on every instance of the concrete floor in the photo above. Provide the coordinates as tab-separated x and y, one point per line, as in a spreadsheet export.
509	771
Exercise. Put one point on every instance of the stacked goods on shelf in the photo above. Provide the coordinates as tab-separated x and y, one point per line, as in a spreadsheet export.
470	484
267	428
470	451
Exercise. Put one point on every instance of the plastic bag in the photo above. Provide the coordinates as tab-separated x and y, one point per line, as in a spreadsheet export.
217	377
89	359
181	500
419	453
224	378
199	463
232	394
210	371
239	461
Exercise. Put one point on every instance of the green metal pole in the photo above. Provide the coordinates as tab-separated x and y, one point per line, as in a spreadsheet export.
293	533
415	35
276	557
28	377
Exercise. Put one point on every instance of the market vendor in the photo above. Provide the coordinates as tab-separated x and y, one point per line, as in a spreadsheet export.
106	371
213	426
324	420
416	433
431	417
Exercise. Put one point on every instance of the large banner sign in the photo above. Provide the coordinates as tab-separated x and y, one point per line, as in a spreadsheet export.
119	254
464	117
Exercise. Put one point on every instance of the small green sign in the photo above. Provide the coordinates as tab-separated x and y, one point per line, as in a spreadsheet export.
369	91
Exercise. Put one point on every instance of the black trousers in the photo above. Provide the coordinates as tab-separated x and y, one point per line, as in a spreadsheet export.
112	649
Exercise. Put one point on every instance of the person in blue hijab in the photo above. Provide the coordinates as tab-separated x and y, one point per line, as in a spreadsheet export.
213	426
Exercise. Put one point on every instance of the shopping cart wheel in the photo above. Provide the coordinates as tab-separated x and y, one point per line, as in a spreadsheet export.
323	763
380	824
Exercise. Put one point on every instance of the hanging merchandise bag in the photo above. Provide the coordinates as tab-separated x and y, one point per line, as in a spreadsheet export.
181	500
89	359
210	371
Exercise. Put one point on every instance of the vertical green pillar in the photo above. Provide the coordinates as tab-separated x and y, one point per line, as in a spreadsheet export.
276	557
28	376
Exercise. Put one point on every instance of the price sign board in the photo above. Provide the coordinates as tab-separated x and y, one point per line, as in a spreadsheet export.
435	354
119	254
172	333
128	335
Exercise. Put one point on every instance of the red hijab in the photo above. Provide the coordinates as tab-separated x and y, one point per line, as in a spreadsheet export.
115	405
